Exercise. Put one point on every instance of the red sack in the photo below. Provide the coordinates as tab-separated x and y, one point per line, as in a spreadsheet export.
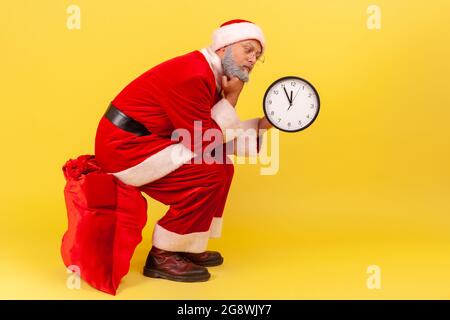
105	222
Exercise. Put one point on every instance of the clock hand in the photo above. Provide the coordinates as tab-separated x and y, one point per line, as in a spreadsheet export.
291	101
296	94
287	96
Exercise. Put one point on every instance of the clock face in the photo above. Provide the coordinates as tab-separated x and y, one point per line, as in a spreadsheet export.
291	104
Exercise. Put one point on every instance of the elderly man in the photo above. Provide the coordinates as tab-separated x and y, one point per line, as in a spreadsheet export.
194	94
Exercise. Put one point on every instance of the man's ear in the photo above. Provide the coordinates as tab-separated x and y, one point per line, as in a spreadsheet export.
221	51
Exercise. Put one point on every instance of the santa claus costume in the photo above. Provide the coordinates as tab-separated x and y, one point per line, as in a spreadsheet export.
173	95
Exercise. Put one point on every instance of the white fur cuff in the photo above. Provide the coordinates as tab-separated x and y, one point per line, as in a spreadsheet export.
247	143
216	227
195	242
226	116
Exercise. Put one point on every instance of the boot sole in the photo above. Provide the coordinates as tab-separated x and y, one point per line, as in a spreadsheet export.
159	274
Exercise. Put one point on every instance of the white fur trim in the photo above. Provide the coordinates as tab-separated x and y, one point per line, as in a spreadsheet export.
246	143
226	117
216	228
215	64
156	166
195	242
235	32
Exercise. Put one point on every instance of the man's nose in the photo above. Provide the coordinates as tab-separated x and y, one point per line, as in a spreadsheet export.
252	59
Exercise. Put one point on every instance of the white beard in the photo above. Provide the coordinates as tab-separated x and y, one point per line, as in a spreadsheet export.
231	69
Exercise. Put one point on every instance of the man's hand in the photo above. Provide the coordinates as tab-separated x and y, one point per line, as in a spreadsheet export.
264	123
232	89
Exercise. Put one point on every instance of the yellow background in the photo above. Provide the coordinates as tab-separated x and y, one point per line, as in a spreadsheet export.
366	184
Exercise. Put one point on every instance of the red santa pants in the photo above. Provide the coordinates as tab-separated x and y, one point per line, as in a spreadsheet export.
196	194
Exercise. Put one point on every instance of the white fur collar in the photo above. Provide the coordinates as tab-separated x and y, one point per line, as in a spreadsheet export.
215	63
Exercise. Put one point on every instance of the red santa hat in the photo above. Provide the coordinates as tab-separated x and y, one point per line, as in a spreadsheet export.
237	30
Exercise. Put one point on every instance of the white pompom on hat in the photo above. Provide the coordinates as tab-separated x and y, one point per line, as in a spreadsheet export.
237	30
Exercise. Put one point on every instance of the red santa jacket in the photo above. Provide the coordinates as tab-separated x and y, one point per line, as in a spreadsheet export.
171	95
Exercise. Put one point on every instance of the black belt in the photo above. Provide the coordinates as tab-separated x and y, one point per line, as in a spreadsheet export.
124	122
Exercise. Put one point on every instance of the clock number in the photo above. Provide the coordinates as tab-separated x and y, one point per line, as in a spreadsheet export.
275	91
293	83
271	113
307	116
282	85
300	123
309	95
289	124
279	119
312	106
270	101
303	87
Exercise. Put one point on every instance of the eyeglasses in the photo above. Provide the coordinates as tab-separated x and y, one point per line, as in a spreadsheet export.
251	52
